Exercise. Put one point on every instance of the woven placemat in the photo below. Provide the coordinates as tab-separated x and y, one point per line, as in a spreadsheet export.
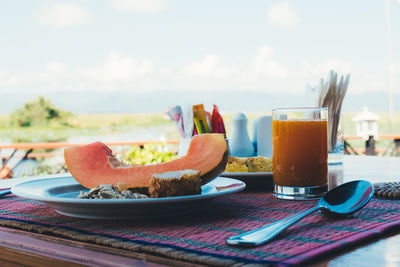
389	190
200	237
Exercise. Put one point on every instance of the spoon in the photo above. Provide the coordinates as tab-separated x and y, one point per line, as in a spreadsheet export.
342	200
5	192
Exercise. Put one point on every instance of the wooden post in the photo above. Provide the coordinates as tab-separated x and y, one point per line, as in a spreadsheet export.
370	146
396	149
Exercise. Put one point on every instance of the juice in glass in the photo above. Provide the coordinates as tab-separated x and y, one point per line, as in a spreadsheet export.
300	152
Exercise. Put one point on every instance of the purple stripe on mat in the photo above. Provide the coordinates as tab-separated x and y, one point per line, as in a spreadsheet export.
240	259
200	237
346	242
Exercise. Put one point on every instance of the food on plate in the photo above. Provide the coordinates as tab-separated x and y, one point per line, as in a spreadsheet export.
259	164
176	183
108	191
236	164
94	164
250	164
168	184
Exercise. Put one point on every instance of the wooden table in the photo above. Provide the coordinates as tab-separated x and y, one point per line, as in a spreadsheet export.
25	248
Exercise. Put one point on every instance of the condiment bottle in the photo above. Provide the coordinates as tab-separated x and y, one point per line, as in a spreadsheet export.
239	142
255	130
264	136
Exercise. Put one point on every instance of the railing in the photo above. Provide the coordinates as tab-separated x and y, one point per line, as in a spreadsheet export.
393	148
57	145
29	148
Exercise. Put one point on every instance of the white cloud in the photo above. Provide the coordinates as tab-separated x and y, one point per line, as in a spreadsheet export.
283	14
312	72
394	69
142	6
264	65
361	81
165	71
64	15
55	76
264	53
8	79
118	69
209	67
264	72
336	65
274	70
117	72
53	71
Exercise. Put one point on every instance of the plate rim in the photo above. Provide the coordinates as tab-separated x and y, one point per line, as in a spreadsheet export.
247	174
76	201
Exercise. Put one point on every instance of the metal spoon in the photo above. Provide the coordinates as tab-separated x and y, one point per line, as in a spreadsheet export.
342	200
5	192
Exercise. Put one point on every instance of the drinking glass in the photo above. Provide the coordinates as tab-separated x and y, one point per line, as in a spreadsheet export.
300	152
336	146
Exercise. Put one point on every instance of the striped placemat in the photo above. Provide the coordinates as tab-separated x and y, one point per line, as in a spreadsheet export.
200	237
389	190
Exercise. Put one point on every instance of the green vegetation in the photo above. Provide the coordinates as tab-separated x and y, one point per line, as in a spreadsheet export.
58	125
40	121
84	124
98	121
39	112
102	124
44	167
149	154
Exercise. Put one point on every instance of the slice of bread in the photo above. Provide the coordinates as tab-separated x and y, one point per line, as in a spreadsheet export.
176	183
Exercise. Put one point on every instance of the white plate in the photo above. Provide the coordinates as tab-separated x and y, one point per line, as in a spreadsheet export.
61	193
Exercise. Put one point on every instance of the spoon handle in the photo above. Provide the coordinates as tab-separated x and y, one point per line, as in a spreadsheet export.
5	192
266	233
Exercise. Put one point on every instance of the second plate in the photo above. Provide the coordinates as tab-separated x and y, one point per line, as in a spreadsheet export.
253	180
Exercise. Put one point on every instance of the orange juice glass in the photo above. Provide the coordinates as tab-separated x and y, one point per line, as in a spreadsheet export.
300	152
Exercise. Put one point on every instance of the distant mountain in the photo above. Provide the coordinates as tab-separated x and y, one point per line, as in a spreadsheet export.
246	101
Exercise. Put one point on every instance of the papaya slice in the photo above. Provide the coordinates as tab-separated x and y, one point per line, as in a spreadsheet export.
94	164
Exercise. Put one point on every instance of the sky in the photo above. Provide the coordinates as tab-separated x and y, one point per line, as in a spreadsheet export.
169	49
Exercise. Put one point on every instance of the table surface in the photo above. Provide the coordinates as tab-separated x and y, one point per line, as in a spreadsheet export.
25	248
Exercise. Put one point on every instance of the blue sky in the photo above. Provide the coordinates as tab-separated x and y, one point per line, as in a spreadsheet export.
276	47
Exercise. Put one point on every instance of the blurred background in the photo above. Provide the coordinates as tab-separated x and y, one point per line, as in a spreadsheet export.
82	71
